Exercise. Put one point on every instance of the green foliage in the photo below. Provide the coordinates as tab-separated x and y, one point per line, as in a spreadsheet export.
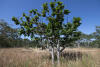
55	14
16	20
66	12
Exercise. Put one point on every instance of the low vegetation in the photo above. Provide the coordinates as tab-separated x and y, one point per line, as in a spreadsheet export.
22	57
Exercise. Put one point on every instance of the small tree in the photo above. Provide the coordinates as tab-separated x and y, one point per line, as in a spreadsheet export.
57	32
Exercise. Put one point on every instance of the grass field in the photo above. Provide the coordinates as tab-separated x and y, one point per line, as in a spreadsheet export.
22	57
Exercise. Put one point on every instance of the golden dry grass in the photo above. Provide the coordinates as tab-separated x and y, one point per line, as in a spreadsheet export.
21	57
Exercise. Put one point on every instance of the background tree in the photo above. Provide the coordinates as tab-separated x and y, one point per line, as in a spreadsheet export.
86	40
96	35
7	34
57	32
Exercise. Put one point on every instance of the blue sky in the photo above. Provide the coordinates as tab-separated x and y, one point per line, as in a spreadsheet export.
88	10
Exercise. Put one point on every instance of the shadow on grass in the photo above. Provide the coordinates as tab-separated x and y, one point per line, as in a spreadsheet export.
73	56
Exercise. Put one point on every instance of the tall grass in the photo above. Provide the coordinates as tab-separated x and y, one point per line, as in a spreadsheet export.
20	57
87	61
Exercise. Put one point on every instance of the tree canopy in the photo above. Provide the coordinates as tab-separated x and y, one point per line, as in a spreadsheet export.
53	27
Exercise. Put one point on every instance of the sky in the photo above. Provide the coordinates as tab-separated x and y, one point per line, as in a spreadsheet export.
88	10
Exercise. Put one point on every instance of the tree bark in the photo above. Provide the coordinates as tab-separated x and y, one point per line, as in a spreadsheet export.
52	53
51	49
62	49
58	53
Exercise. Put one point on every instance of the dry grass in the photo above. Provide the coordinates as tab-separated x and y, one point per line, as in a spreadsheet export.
21	57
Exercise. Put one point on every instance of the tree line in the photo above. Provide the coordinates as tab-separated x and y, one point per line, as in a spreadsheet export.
91	40
9	37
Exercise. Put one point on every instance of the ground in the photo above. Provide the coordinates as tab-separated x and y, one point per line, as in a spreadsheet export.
33	57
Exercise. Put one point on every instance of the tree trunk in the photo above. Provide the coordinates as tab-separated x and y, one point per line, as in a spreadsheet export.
78	45
52	54
58	53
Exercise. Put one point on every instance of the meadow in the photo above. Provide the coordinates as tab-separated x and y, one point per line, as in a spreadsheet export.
33	57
